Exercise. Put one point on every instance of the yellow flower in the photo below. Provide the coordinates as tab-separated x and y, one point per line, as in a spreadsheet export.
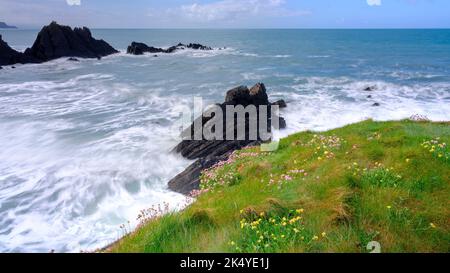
388	207
296	230
432	225
315	238
232	243
300	210
241	211
324	234
261	214
319	158
282	236
407	160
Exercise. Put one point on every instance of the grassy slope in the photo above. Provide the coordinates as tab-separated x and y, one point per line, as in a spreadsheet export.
371	181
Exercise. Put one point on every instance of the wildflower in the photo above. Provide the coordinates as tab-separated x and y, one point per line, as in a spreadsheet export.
388	207
261	214
232	243
296	230
282	236
315	238
407	160
300	211
432	225
324	234
319	158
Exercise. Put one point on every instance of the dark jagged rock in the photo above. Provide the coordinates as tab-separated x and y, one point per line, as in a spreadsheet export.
376	104
137	48
280	103
209	152
72	59
9	56
56	41
369	96
140	48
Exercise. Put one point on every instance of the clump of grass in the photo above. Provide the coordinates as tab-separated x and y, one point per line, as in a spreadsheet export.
381	177
270	232
438	149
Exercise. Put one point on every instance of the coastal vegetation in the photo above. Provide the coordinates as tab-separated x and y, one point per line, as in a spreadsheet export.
334	191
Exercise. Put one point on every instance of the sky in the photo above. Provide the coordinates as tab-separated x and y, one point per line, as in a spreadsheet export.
228	13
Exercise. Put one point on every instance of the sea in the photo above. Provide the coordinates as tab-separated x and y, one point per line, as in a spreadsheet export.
84	146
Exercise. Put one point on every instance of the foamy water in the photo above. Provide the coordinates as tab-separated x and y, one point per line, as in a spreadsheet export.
85	145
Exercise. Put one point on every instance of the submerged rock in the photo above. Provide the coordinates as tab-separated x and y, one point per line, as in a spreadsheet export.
280	103
137	48
370	88
208	152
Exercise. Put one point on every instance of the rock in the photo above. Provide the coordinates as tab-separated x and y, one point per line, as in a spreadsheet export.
9	56
198	47
155	56
376	104
280	103
13	67
140	48
370	88
369	96
209	152
72	59
242	95
137	48
56	41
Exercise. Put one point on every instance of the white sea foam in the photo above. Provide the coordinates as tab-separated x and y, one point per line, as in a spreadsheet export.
320	103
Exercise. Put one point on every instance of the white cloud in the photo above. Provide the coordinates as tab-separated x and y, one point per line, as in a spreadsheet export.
73	2
229	10
374	2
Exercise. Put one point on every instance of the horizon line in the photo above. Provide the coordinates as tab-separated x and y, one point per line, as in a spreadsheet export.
249	28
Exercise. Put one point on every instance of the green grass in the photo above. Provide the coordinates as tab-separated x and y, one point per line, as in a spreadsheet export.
319	192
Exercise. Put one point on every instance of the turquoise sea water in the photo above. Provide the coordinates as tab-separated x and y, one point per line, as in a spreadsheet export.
85	145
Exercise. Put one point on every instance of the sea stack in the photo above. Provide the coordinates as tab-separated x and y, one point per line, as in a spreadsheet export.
209	152
56	41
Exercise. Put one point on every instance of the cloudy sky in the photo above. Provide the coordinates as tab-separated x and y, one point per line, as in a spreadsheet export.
229	13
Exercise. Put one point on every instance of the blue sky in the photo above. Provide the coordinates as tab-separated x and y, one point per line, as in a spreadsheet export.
229	13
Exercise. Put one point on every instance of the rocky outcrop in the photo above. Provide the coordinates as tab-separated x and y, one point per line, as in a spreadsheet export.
137	48
209	152
9	56
56	41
